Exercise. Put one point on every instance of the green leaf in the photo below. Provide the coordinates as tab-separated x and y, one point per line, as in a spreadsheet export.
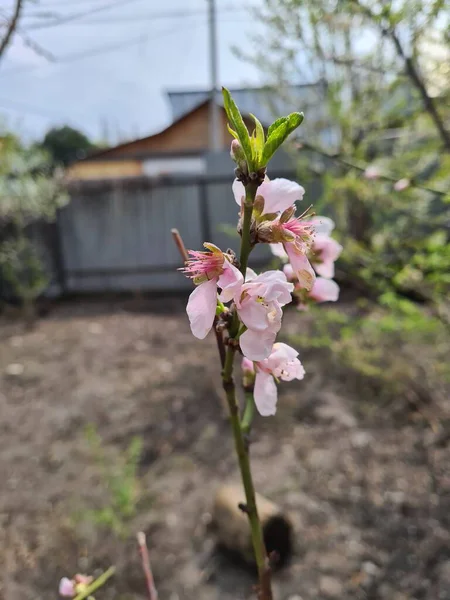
274	141
233	133
276	124
294	121
259	138
278	132
237	122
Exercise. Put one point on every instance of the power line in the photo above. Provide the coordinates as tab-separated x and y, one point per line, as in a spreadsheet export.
101	49
65	4
151	16
80	15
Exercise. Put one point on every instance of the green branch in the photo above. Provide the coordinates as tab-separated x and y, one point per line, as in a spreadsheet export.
265	589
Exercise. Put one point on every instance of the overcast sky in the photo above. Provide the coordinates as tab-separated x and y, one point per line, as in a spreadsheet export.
96	87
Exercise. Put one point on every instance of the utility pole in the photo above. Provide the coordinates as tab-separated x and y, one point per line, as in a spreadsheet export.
215	125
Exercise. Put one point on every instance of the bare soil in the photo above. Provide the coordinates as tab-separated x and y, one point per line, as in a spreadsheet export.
369	495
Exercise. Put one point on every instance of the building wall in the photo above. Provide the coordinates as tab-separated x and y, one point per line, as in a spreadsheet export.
104	169
187	135
181	165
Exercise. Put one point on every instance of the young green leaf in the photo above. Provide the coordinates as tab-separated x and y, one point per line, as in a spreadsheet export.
274	141
232	132
237	122
275	125
259	138
294	120
278	132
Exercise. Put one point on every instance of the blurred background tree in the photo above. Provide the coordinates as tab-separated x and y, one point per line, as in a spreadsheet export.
66	144
386	170
30	191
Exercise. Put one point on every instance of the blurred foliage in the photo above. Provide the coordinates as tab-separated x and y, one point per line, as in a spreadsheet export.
66	144
29	192
395	343
386	74
120	481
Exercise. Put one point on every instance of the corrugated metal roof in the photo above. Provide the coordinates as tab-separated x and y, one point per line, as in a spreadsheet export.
265	102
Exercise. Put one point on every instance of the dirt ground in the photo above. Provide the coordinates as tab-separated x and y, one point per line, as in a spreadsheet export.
369	495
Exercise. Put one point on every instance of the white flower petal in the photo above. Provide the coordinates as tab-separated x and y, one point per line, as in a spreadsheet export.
279	194
201	308
265	394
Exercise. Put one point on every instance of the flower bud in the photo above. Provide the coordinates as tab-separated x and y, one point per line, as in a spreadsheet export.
248	374
237	154
401	185
372	172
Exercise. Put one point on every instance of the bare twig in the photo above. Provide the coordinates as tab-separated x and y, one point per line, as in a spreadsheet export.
152	592
180	244
11	27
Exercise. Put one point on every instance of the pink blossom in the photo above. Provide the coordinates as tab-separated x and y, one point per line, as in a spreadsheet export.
301	239
282	363
322	225
278	251
401	185
326	252
83	579
209	270
324	290
247	364
279	194
289	272
66	588
259	303
372	172
300	265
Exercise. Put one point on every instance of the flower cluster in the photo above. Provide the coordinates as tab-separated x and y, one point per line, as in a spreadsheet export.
256	300
322	256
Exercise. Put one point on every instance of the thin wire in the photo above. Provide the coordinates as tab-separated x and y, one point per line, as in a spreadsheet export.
80	15
65	4
99	50
149	17
139	18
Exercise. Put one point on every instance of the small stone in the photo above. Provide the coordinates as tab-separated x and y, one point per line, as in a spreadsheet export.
370	568
330	587
361	439
14	369
295	597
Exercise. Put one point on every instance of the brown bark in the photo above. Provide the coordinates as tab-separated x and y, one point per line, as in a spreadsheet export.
11	27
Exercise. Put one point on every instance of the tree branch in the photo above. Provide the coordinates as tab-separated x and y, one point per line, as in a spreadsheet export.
411	72
360	167
11	27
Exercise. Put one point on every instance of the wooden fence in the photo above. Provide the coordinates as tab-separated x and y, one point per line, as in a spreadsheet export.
115	235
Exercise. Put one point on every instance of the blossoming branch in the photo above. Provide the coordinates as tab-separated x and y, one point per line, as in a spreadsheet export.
246	308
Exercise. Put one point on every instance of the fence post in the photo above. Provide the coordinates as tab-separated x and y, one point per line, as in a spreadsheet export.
58	255
205	223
